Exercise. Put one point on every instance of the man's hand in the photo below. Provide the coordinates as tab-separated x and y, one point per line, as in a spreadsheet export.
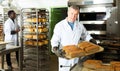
59	52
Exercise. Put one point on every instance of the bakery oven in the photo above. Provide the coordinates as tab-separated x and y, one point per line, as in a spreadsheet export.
94	22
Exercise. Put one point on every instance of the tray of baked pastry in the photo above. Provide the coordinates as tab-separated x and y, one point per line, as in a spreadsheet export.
82	49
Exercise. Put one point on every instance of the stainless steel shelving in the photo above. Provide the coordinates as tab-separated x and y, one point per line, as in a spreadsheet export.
34	39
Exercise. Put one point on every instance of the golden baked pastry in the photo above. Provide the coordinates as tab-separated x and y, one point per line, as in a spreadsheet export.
33	20
104	68
45	41
92	64
117	69
45	29
39	37
28	26
39	30
72	51
28	42
29	30
40	43
115	63
28	36
43	20
88	47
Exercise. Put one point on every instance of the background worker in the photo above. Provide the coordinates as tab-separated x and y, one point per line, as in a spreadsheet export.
11	30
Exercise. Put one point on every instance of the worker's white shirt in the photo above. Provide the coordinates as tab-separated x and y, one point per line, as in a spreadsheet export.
64	35
9	26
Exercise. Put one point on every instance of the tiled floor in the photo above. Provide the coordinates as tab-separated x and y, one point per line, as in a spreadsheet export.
52	67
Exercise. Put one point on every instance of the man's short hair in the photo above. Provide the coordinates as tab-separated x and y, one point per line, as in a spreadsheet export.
10	12
74	7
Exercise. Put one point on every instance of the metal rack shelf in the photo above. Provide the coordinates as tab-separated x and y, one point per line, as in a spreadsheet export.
35	20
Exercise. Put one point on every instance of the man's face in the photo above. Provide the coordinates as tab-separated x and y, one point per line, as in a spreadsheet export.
72	14
13	15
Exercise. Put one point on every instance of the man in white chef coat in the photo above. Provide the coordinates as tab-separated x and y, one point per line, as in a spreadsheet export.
11	30
69	32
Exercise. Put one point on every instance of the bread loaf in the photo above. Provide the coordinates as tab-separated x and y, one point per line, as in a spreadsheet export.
28	42
40	43
92	49
105	68
45	29
29	30
33	20
117	69
115	63
45	42
88	47
28	36
41	36
72	51
39	30
74	54
28	26
92	64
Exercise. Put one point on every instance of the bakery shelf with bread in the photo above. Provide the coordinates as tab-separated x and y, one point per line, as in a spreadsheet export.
33	44
82	49
35	38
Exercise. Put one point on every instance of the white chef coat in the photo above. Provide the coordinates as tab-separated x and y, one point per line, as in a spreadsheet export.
9	26
64	35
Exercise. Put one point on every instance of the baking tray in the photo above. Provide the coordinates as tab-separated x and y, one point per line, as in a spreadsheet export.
86	54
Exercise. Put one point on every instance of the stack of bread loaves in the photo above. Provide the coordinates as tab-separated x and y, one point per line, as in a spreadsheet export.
82	49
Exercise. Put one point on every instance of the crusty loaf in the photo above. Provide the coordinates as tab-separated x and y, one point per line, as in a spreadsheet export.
83	45
70	48
92	64
28	36
28	42
92	49
39	30
88	47
104	68
72	51
115	63
39	36
40	43
74	54
29	30
33	20
117	69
